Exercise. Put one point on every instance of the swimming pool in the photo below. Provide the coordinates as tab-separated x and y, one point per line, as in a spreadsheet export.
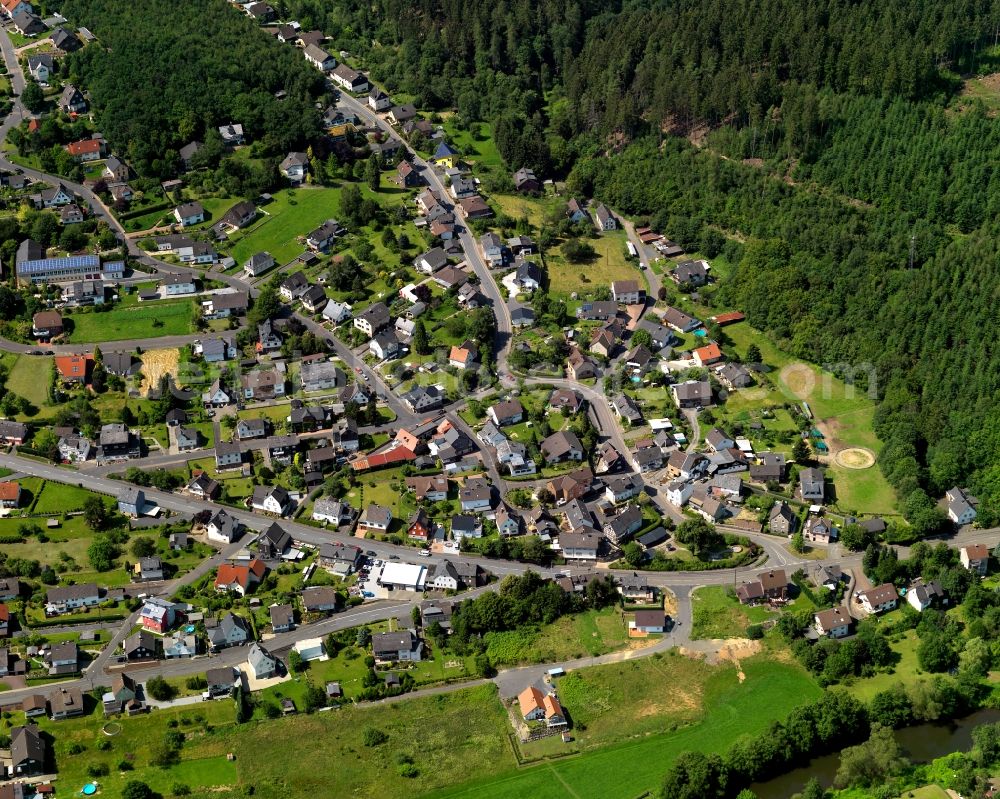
701	333
89	789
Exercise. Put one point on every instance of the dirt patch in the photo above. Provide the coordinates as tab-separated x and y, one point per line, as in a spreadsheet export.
718	650
757	163
855	458
799	379
155	364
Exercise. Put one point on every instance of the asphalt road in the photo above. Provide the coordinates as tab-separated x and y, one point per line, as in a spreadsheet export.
488	285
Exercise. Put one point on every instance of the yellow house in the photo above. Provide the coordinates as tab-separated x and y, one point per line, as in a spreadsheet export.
445	155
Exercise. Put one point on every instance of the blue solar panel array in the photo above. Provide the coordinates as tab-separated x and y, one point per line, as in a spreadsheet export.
69	263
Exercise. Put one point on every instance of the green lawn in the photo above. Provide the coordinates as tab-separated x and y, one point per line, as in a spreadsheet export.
476	149
203	764
719	615
730	709
28	378
284	221
905	671
60	497
609	265
158	318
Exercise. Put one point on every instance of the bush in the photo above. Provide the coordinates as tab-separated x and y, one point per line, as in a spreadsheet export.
98	770
180	789
409	771
160	689
373	737
126	765
755	632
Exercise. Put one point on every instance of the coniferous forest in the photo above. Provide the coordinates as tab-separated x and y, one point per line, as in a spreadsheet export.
830	140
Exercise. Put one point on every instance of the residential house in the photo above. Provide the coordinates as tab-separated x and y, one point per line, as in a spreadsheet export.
817	530
648	621
431	489
604	219
834	622
295	167
707	355
72	101
881	598
319	599
692	394
975	557
67	599
575	212
923	595
679	321
562	446
222	528
131	501
324	236
619	528
781	519
734	376
812	485
397	647
961	506
373	318
220	681
228	455
475	495
261	664
140	646
157	615
231	631
690	273
319	58
525	181
337	556
258	263
29	751
147	569
506	412
66	703
375	518
271	499
538	705
349	79
627	292
571	486
419	525
239	579
579	366
768	467
189	214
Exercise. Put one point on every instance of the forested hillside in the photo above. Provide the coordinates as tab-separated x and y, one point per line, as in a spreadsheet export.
166	73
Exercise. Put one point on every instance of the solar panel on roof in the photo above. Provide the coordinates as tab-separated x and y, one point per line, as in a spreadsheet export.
51	264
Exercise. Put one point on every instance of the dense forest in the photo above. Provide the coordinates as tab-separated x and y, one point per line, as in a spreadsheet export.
167	73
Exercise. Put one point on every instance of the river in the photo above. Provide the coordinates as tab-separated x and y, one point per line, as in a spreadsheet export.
920	744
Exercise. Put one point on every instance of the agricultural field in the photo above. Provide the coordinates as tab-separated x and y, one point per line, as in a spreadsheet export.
610	264
158	318
716	708
718	614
